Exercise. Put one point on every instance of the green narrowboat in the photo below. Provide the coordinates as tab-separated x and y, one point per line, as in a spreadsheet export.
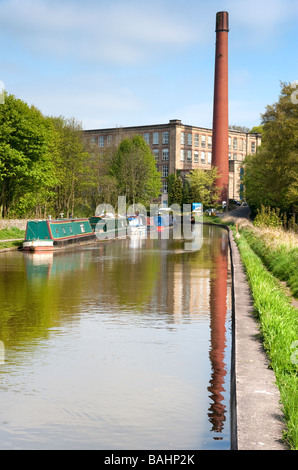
46	235
109	227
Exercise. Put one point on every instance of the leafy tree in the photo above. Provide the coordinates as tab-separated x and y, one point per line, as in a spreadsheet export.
175	189
202	186
72	166
25	162
135	171
271	175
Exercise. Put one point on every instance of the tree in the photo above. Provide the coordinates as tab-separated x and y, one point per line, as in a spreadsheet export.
175	189
72	166
202	186
25	160
271	175
135	171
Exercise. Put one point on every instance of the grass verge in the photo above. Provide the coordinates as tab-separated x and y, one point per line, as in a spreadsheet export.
11	233
269	256
278	251
279	328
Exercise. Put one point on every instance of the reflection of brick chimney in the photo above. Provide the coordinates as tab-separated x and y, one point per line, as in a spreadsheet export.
220	140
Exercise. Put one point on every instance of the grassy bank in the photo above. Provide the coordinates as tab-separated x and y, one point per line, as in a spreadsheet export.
270	256
14	234
279	328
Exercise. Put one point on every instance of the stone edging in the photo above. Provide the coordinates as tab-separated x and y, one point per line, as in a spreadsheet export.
257	419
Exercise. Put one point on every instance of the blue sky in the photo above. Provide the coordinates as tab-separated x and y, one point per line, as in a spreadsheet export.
131	62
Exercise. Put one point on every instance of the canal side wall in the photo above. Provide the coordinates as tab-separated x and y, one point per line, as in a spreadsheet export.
257	419
9	223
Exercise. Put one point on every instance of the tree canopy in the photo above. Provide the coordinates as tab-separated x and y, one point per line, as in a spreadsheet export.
271	174
47	167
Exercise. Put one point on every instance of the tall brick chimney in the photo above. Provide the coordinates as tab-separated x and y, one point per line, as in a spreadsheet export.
220	140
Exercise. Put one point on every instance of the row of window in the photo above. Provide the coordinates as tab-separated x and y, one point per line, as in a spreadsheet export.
186	155
185	139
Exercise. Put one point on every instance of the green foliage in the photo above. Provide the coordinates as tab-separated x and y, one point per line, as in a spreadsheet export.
135	171
13	232
279	328
282	261
271	175
25	162
267	217
175	190
202	186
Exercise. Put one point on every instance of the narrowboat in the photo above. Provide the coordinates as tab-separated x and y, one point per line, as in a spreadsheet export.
47	235
137	226
109	226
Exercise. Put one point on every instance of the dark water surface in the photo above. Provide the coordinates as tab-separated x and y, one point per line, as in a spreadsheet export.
121	345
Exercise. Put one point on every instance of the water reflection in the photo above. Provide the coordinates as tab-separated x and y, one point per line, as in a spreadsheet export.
119	345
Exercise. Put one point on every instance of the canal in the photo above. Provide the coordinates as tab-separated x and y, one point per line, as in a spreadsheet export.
120	345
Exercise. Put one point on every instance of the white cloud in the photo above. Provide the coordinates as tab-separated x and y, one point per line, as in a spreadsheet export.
112	31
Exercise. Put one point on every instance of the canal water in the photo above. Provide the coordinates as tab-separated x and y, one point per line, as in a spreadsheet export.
120	345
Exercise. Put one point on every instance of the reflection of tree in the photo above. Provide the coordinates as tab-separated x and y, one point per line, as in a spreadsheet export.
39	292
218	306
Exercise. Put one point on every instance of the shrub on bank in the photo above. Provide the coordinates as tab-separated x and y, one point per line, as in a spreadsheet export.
278	255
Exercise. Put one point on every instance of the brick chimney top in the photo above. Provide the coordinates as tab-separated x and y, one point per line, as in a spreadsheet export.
222	21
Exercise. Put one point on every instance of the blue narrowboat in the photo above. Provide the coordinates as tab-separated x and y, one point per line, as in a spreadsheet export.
47	235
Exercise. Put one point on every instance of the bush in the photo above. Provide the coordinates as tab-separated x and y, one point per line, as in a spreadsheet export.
267	217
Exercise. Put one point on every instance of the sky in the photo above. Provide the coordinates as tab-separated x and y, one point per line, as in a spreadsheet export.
121	63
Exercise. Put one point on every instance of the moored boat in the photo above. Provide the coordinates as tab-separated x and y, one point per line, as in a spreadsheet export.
137	226
109	226
47	235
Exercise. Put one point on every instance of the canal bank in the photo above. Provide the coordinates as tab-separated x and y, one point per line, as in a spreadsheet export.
257	418
255	407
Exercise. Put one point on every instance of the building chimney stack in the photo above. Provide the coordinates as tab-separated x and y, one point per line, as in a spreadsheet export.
220	139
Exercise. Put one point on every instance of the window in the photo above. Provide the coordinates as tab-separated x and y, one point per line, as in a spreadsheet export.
196	156
93	140
165	171
253	147
234	156
203	141
182	138
241	145
101	140
164	187
235	143
165	138
229	143
182	155
189	139
203	157
209	141
82	228
196	140
156	154
155	138
109	140
146	137
165	154
189	159
209	156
